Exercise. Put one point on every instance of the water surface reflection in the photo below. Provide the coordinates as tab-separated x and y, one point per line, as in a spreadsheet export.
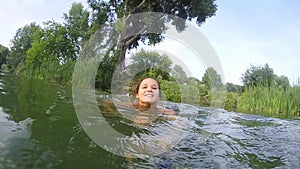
39	129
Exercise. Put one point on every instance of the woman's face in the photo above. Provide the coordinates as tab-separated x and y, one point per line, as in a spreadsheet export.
148	91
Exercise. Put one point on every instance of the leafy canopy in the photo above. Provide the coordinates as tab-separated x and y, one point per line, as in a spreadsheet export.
4	51
150	64
211	78
263	76
20	44
258	76
121	10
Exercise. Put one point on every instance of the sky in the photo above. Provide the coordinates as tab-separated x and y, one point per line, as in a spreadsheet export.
241	33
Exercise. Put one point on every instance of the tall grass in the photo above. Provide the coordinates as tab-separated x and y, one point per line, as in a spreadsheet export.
50	70
275	101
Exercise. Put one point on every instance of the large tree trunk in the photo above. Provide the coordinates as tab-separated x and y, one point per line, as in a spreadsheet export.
120	65
123	43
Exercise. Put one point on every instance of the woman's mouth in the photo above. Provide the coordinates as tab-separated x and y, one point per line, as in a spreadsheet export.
149	95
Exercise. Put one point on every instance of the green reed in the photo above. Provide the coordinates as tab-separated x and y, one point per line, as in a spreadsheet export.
50	70
272	101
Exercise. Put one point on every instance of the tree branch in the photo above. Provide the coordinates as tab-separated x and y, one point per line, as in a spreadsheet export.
132	11
135	37
141	4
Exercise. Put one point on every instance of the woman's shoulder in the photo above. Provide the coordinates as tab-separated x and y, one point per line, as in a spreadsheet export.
167	111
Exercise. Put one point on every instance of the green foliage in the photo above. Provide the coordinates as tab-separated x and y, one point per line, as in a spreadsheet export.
37	53
268	94
198	10
175	86
20	44
282	81
4	67
98	14
231	101
77	26
58	42
274	101
189	91
51	70
50	52
212	79
179	74
120	26
205	98
216	94
258	76
105	71
110	11
230	87
150	64
170	91
217	97
173	91
4	51
85	73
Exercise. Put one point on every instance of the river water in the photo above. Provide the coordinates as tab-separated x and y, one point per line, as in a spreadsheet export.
39	128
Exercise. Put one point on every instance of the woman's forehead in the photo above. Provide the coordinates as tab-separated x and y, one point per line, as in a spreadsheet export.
149	81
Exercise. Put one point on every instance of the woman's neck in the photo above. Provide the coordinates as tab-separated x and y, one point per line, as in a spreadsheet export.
143	106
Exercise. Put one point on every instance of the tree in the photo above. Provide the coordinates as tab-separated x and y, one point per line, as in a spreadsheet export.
105	72
211	78
282	81
179	74
150	64
230	87
77	26
4	51
258	76
20	44
51	43
121	10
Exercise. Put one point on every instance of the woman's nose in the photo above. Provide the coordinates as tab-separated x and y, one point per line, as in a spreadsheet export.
149	89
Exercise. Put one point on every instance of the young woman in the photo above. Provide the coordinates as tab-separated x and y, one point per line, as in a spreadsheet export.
147	110
148	93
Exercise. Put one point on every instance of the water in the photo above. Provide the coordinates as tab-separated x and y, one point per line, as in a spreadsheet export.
39	129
